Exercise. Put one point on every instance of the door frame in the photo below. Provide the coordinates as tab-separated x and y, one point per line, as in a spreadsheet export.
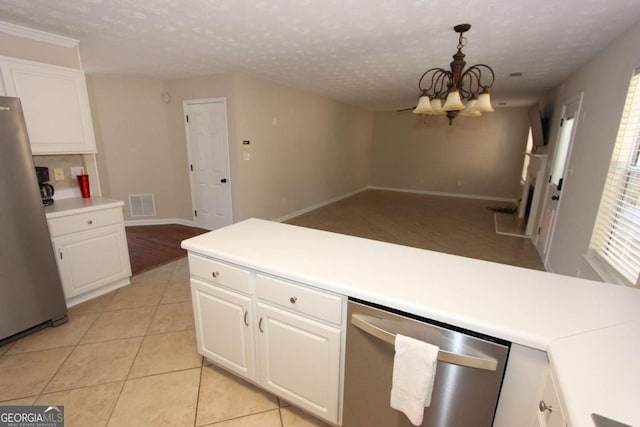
190	155
552	228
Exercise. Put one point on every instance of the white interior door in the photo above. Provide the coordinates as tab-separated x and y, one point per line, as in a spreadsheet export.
207	140
559	172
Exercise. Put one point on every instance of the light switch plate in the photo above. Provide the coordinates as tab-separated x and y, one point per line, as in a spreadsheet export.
58	174
76	170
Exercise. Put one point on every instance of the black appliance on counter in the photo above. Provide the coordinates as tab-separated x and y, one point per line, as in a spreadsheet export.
46	189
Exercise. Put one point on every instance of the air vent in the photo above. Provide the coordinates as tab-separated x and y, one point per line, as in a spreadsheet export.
142	204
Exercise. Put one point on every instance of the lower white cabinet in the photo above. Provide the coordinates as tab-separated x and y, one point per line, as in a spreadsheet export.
549	411
284	336
224	327
91	252
299	360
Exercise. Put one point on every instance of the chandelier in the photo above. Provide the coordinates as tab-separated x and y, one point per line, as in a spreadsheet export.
452	87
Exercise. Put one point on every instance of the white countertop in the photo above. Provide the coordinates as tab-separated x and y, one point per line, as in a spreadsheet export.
528	307
599	372
62	207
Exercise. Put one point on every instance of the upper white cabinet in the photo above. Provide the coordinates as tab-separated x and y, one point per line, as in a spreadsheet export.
55	104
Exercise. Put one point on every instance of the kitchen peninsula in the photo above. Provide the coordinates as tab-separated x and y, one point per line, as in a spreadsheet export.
531	309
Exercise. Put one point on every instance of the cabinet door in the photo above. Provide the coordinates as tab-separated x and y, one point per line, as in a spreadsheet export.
55	104
549	412
299	360
91	259
224	329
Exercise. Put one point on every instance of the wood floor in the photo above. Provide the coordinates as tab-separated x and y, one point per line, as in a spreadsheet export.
445	224
154	245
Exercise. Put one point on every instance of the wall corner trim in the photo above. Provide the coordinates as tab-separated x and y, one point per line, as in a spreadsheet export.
37	35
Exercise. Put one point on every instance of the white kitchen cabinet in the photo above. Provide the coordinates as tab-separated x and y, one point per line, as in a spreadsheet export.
224	330
283	336
55	104
91	252
549	411
299	360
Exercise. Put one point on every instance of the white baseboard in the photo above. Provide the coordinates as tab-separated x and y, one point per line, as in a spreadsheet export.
438	193
162	221
318	205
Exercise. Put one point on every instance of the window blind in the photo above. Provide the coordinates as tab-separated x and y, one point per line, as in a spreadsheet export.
616	236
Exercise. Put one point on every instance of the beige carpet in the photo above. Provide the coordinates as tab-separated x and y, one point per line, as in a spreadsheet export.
451	225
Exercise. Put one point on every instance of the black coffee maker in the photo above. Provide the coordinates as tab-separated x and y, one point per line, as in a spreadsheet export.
46	189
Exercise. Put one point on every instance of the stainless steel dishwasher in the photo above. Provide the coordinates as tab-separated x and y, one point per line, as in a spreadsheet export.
468	374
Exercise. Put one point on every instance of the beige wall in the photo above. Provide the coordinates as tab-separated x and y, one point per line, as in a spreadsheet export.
134	154
604	81
317	150
305	149
480	156
31	50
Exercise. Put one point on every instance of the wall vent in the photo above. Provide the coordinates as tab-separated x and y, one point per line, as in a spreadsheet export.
142	204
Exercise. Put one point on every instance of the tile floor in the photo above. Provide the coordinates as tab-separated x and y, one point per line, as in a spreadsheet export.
128	358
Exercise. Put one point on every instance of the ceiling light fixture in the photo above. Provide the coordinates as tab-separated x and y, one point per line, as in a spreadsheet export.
452	87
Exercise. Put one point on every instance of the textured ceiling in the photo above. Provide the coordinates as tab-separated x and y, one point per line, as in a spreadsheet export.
368	53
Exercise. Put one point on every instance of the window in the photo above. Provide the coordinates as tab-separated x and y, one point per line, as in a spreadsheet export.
525	164
616	236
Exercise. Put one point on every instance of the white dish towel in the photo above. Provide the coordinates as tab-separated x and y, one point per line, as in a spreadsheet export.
414	372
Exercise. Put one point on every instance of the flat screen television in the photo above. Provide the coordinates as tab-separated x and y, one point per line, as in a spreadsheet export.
539	127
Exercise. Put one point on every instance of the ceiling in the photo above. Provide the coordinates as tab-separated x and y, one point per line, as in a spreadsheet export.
368	53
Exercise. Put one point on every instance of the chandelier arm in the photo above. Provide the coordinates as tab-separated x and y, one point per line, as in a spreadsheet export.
434	74
478	68
466	90
473	76
442	83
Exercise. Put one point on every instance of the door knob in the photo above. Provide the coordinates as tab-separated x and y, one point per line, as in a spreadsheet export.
555	197
223	180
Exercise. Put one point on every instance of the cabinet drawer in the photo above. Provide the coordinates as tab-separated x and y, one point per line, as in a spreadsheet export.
301	299
218	272
84	221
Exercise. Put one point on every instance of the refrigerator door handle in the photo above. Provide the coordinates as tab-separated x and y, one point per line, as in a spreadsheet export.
487	363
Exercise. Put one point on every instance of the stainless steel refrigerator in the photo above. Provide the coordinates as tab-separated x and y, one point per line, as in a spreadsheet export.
30	289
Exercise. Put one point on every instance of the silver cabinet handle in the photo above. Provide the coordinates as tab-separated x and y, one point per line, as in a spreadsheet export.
215	274
486	363
542	406
246	313
260	325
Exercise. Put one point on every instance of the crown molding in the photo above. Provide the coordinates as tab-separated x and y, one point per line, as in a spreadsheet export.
41	36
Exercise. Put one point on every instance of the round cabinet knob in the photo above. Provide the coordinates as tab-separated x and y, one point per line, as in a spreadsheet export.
90	222
293	300
215	274
542	406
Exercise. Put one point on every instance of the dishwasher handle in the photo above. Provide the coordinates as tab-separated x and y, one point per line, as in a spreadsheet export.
486	363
